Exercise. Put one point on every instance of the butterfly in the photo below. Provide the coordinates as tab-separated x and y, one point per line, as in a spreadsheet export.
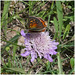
36	24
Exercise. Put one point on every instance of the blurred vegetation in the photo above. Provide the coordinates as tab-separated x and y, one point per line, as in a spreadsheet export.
59	16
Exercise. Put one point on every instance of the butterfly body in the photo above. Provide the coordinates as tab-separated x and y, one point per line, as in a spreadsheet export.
36	24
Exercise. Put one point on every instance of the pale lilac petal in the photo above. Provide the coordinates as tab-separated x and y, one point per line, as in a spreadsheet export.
54	47
33	55
40	55
54	52
25	54
51	52
47	56
22	33
32	59
55	43
50	59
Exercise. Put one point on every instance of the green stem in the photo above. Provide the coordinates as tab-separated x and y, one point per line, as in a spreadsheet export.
59	63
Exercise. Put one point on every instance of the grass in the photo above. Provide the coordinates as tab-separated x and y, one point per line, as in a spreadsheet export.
5	15
53	13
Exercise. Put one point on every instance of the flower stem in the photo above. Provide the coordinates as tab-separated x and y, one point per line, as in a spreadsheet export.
59	63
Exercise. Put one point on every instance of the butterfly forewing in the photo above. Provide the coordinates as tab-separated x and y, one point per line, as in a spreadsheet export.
36	24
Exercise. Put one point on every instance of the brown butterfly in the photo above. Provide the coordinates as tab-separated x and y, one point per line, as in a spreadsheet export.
36	24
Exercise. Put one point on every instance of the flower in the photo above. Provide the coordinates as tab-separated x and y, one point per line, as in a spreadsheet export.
39	44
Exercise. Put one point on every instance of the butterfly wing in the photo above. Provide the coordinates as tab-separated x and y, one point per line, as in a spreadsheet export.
35	24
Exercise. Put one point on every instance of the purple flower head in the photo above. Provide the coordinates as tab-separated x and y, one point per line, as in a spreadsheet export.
39	44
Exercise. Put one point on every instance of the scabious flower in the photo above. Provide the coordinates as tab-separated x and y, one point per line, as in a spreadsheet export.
39	44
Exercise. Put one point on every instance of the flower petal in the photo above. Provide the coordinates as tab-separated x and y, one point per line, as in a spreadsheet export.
22	33
25	54
50	59
33	55
54	52
32	59
47	56
55	43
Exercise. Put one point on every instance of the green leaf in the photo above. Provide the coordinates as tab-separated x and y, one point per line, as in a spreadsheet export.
50	10
60	17
9	62
56	27
5	11
14	51
5	16
48	21
56	24
19	70
4	65
31	5
41	13
12	40
66	31
72	62
48	66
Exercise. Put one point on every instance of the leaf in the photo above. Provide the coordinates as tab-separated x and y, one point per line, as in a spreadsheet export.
17	70
9	62
5	16
14	51
11	41
72	62
66	31
56	27
5	10
60	17
50	10
48	22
